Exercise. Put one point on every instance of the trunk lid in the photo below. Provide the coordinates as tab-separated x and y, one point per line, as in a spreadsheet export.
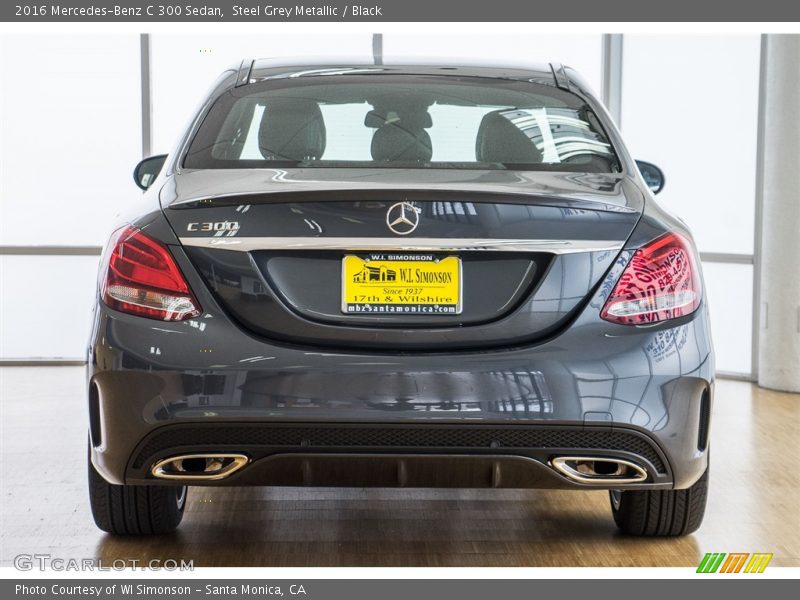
466	259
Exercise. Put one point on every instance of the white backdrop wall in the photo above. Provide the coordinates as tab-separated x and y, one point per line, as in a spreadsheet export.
70	122
70	131
183	67
83	111
690	105
583	52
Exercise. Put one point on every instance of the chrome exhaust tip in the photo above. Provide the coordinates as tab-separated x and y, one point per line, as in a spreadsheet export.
599	470
197	467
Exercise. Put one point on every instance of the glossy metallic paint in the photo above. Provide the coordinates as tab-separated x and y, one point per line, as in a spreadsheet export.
570	370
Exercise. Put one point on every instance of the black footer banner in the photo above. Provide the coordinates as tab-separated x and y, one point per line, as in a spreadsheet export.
376	589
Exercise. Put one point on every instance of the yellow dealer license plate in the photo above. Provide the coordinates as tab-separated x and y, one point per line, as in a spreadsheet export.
399	283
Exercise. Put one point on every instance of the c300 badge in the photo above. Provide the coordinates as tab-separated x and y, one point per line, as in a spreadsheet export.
219	228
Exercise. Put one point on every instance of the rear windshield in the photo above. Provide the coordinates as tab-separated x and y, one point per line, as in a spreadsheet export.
401	122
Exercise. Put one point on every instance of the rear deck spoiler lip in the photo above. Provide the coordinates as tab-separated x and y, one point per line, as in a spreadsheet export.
395	194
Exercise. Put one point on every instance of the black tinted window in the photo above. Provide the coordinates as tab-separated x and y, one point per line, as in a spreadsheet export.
403	122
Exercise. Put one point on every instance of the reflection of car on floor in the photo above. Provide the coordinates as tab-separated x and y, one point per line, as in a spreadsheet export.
555	334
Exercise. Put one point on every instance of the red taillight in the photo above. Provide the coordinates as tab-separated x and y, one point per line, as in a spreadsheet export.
660	282
142	278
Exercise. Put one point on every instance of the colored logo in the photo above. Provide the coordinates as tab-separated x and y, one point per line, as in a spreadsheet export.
402	218
369	273
735	562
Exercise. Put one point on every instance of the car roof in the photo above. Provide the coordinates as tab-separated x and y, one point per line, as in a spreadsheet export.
252	70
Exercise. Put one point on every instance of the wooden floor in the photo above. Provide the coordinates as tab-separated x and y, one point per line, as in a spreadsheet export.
753	506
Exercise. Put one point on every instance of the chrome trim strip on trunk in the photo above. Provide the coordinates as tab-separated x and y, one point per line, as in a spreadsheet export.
249	244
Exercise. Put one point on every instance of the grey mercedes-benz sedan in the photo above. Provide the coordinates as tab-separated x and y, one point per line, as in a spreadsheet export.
403	275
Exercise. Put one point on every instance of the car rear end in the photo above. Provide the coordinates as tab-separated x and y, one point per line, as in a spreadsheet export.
406	277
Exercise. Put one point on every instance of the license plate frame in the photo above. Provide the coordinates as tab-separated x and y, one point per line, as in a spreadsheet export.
440	295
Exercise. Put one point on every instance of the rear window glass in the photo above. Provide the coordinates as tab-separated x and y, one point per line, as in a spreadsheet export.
402	122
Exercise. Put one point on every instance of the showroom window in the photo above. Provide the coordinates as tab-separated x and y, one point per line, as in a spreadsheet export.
702	131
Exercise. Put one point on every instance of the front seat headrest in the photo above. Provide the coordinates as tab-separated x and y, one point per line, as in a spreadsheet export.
393	142
500	141
291	129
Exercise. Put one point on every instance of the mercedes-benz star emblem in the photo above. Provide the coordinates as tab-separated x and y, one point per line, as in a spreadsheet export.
402	218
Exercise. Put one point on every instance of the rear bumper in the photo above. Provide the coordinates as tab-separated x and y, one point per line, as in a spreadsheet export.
302	416
435	470
393	454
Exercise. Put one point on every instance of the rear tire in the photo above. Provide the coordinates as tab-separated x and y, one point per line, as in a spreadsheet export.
135	509
649	513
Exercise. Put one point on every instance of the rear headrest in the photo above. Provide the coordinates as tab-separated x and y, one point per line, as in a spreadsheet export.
395	143
291	129
500	141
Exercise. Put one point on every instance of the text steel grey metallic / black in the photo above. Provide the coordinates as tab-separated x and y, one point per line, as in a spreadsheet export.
400	275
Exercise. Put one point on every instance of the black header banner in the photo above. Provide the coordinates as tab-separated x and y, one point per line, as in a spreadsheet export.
153	11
